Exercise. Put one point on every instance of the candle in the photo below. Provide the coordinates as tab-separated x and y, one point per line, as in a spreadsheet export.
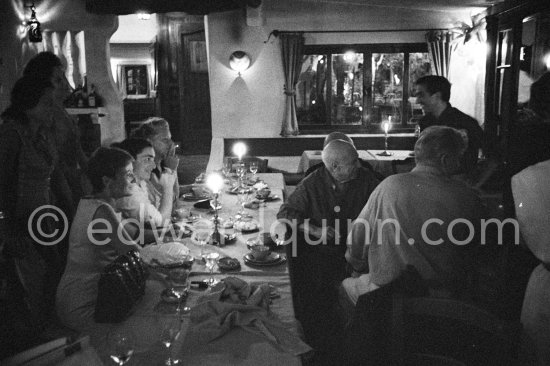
239	149
214	182
386	127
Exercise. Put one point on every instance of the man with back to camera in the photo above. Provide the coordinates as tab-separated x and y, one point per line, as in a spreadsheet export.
433	93
379	253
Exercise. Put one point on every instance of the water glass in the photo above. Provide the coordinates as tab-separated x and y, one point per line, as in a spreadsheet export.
121	346
170	333
254	168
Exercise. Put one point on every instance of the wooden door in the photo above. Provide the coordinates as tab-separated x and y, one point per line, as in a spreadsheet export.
196	126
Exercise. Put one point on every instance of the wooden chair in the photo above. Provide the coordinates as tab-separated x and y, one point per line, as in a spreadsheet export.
451	329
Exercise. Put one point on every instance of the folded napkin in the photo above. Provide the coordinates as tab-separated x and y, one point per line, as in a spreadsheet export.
235	303
164	254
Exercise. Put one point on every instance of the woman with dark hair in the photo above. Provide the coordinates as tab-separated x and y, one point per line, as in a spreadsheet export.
27	165
110	172
155	204
47	66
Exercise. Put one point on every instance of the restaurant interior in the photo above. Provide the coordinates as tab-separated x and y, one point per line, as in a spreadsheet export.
278	76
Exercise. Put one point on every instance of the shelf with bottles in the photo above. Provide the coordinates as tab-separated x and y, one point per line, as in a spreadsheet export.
95	113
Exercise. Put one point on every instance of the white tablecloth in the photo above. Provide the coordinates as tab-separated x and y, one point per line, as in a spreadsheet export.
238	347
382	164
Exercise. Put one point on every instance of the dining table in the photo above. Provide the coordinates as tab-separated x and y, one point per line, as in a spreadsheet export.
240	345
381	163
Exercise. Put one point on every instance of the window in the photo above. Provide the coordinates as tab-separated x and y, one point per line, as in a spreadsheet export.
355	88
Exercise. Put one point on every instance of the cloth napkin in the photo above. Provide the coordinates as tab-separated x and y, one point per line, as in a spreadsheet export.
235	303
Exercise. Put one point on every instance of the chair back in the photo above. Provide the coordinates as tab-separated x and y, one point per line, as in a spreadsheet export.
451	328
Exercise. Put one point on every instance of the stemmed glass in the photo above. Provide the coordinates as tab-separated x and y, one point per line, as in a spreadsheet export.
202	237
241	170
180	286
170	334
243	196
121	346
211	260
254	169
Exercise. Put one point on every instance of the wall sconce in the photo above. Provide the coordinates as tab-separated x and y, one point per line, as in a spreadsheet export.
35	35
239	61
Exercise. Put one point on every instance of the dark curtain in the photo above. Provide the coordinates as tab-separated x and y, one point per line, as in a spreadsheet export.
292	46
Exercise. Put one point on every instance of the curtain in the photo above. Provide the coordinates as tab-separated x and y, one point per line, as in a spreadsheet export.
292	46
440	48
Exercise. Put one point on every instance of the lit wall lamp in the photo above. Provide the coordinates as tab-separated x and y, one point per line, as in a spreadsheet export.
35	35
239	61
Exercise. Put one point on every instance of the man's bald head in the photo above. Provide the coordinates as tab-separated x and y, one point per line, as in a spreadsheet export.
337	136
340	159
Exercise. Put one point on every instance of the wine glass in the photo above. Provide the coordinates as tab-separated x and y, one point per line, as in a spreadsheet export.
211	260
226	168
241	170
202	237
253	169
121	346
243	196
170	333
180	286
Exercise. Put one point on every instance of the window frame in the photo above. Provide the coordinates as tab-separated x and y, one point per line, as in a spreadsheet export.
367	49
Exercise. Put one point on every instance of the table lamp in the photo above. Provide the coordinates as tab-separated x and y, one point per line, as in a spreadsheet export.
214	182
386	126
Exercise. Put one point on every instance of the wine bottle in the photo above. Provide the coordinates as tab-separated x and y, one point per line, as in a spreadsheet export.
85	91
92	97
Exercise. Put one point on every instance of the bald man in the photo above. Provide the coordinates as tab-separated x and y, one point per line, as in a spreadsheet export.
337	135
319	210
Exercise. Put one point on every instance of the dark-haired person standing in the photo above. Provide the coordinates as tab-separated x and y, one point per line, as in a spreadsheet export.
433	94
28	161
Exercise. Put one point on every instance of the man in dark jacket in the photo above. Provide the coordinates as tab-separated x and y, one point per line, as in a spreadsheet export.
433	93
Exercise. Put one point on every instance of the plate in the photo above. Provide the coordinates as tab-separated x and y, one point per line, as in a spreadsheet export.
246	226
192	197
273	259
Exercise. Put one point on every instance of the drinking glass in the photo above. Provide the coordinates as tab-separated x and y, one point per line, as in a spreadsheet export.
170	333
226	168
121	346
180	286
241	170
202	236
254	169
211	260
243	196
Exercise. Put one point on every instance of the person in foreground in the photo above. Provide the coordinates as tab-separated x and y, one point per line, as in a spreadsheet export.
419	207
111	174
319	210
433	93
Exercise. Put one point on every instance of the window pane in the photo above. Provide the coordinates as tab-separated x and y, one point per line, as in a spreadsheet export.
347	88
387	85
311	91
419	65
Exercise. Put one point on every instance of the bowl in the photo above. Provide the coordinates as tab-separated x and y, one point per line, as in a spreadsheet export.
260	251
182	213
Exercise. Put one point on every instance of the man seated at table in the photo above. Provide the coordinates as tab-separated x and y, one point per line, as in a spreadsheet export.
319	210
336	135
433	93
419	207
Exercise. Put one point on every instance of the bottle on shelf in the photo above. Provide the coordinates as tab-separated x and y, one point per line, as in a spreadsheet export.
92	97
85	92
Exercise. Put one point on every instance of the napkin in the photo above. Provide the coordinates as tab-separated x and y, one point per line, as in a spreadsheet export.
235	303
163	254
